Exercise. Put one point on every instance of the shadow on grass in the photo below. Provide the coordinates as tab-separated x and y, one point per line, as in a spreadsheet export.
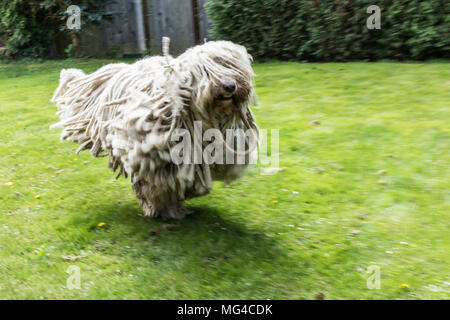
209	253
206	236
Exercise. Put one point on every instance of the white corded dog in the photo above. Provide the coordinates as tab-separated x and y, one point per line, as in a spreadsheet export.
130	112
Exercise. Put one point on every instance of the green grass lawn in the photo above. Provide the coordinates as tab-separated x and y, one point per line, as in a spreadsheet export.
368	186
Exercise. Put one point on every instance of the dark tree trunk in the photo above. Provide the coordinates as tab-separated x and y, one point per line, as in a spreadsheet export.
75	42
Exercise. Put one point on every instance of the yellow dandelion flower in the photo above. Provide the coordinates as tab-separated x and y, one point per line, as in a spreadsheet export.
101	224
75	159
37	196
8	184
404	286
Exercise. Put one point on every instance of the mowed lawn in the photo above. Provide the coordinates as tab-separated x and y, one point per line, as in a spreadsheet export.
366	188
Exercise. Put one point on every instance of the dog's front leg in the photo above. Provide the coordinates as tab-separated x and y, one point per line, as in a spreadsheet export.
165	205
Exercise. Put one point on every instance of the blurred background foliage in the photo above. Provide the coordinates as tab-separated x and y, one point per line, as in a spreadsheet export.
333	30
301	30
30	27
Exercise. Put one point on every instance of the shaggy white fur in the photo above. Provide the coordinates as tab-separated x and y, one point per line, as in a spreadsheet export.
130	111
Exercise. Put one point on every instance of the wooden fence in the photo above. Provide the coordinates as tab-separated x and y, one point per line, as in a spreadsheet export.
139	26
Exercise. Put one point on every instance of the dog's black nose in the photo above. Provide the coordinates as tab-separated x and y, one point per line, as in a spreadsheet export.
229	86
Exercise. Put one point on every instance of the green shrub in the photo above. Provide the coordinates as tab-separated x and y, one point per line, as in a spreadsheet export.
26	27
333	30
30	27
70	51
113	52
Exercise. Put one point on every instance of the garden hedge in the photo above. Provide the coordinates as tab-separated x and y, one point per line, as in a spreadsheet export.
333	30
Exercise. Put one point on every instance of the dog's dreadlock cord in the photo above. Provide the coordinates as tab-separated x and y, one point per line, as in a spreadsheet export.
227	146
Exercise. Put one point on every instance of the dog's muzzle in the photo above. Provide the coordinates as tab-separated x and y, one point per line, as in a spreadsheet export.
228	88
